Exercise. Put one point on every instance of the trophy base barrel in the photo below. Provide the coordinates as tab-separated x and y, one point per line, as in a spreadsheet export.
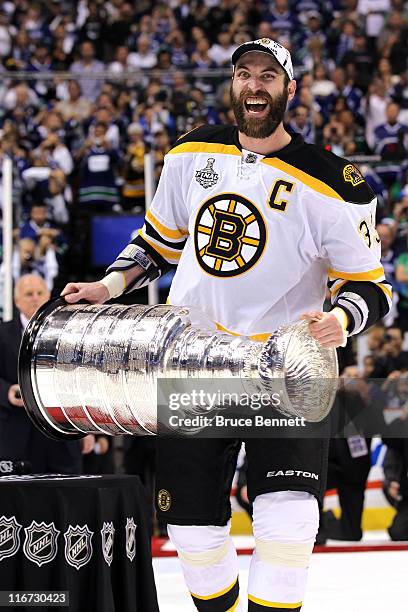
25	381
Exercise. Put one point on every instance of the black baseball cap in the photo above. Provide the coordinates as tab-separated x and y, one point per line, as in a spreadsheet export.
266	45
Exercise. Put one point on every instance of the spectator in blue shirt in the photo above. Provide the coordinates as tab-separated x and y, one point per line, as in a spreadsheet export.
390	141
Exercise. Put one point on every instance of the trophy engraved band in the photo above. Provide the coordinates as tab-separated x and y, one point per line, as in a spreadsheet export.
94	368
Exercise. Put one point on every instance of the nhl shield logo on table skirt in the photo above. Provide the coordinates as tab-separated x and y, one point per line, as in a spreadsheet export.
108	535
78	545
130	538
40	545
9	537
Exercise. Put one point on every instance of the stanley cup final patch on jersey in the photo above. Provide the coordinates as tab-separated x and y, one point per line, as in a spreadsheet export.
229	235
352	175
207	177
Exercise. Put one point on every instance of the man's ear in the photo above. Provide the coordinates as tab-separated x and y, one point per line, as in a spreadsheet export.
291	90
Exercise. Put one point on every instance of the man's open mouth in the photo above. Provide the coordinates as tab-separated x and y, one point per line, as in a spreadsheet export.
255	105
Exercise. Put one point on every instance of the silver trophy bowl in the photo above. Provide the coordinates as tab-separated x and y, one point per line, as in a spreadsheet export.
94	368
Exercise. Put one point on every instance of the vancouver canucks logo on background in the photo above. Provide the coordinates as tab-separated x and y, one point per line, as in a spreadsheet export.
130	538
108	535
40	545
9	537
352	175
229	235
207	177
78	545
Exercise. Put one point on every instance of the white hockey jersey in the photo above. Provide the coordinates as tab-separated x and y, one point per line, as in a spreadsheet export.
257	238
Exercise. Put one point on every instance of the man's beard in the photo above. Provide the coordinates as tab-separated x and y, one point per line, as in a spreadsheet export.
255	127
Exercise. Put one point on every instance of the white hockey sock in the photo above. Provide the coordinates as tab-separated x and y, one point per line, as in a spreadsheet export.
209	561
285	526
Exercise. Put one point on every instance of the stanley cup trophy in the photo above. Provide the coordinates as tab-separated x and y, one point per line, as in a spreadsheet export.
94	368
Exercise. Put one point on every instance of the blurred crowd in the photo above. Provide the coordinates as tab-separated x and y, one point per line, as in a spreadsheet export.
89	86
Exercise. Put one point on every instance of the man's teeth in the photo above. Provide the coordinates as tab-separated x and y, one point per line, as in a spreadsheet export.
256	104
256	101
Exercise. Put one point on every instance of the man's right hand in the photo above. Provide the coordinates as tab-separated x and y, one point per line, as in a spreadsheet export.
94	293
14	396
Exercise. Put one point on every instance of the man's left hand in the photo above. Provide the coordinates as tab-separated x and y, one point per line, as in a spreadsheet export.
325	328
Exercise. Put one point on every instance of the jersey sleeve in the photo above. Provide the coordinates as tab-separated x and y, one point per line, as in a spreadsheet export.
160	242
355	275
166	223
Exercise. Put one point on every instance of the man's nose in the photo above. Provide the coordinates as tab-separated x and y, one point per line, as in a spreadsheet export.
255	83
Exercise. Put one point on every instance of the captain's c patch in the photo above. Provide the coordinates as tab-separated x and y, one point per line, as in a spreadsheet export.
229	235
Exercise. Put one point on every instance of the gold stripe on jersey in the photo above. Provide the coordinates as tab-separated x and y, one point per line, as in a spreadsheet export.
168	254
386	290
370	275
218	594
173	234
260	337
256	337
305	178
205	147
235	606
187	133
335	288
274	604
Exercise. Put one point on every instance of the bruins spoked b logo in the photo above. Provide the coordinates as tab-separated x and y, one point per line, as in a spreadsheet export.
229	236
164	500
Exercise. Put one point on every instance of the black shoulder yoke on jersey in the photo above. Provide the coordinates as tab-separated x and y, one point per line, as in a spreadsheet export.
220	134
338	173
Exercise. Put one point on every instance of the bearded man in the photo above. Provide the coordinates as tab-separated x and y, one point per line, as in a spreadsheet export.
257	222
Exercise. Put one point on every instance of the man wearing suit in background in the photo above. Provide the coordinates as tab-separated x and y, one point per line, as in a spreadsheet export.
19	438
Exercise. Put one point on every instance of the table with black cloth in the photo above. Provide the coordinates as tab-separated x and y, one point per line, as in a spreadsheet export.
41	547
